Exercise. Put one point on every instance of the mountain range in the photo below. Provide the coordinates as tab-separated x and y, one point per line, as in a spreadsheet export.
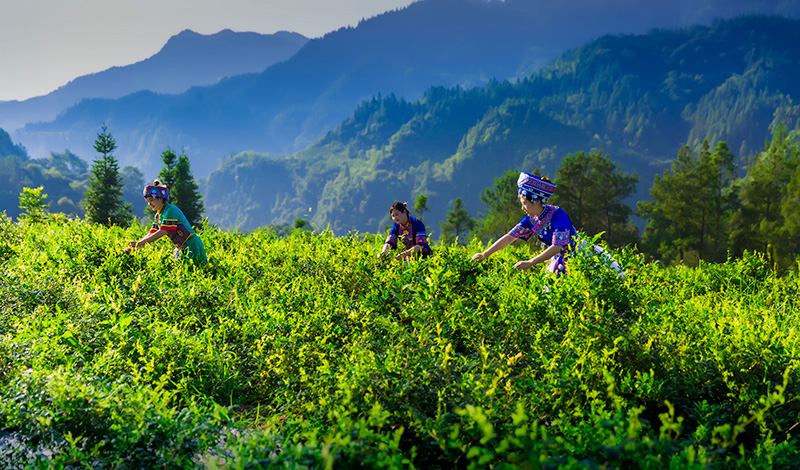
638	98
291	104
187	60
437	98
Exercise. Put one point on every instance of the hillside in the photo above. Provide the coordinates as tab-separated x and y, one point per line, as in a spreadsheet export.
188	59
638	97
292	104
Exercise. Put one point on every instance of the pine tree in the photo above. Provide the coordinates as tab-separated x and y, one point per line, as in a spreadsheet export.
671	232
421	205
718	198
186	190
103	200
766	193
176	175
457	222
690	208
591	189
33	205
167	173
503	208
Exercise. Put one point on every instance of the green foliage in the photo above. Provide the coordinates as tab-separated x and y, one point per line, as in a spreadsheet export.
167	173
767	221
103	200
689	215
421	206
457	223
502	206
636	97
301	224
62	175
33	205
591	189
310	352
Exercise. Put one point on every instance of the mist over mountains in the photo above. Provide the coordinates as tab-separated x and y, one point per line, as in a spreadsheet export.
291	104
188	59
415	101
638	98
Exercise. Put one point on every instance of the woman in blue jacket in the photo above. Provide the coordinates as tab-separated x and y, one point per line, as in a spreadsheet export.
408	230
550	224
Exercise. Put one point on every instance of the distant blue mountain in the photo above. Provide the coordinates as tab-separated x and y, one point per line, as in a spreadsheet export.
638	98
289	105
403	52
188	59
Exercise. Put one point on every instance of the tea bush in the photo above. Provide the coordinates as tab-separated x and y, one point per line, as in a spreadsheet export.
307	351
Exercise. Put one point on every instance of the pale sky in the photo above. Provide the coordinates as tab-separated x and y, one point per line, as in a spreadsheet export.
47	43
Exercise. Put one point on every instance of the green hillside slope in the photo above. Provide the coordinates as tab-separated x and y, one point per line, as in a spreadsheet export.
639	98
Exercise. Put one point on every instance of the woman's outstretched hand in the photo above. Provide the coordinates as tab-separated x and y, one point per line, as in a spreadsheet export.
132	245
478	257
522	265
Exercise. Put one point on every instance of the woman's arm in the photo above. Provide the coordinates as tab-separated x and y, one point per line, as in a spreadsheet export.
408	252
386	248
501	243
551	251
150	237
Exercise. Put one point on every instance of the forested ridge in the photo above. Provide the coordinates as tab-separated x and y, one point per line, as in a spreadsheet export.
638	98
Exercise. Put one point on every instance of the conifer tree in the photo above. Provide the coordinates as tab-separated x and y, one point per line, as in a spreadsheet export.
591	189
670	233
457	222
103	200
421	205
177	176
503	208
717	197
690	208
167	173
186	189
33	205
765	220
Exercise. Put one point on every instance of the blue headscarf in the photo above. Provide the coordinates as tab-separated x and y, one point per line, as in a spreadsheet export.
156	191
534	187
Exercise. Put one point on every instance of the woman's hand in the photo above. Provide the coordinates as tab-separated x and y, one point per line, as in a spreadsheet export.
479	257
523	265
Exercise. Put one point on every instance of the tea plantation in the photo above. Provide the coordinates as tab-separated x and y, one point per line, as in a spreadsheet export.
309	352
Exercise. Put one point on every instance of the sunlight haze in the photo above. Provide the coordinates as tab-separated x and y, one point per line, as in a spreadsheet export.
47	43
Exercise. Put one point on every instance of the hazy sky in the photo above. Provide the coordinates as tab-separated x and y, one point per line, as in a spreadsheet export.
47	43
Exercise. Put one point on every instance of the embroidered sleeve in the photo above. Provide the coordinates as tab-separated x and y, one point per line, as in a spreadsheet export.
420	237
391	239
561	237
523	230
562	228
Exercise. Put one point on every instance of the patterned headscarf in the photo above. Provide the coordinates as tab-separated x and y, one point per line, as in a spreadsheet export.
535	188
156	191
